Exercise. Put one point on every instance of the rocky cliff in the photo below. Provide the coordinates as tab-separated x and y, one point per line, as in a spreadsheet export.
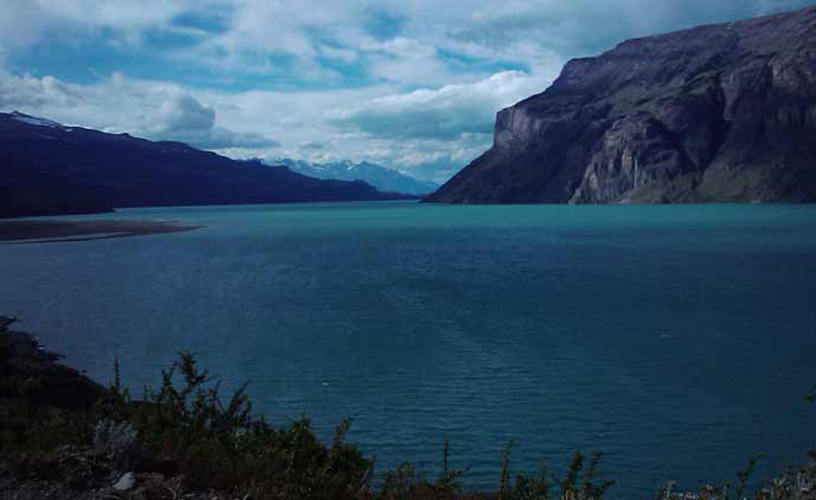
715	113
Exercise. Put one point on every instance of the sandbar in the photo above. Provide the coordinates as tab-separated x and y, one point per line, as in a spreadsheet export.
53	231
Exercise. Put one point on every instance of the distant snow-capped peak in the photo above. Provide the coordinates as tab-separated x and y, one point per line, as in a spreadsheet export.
383	178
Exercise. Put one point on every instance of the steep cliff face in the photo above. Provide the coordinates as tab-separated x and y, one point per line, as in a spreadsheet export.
715	113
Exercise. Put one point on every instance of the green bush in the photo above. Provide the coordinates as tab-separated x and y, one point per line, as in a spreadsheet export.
223	446
528	487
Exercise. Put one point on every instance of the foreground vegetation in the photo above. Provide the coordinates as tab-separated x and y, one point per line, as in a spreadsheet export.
63	436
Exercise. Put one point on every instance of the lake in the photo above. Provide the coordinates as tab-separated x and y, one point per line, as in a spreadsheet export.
679	340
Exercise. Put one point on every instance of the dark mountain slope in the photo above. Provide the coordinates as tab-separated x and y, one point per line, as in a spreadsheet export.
715	113
46	168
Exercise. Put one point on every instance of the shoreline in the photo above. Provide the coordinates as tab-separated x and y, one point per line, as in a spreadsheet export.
47	231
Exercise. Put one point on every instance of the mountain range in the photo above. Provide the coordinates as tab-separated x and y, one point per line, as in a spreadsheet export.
718	113
48	168
382	178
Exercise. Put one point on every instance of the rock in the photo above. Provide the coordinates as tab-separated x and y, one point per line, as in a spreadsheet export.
715	113
126	482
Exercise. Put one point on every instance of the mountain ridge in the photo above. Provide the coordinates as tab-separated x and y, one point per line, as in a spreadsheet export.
382	178
49	169
723	112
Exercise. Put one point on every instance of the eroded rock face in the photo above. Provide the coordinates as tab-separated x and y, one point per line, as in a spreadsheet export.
715	113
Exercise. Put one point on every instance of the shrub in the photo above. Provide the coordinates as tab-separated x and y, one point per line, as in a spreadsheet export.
118	441
223	446
400	483
538	488
448	481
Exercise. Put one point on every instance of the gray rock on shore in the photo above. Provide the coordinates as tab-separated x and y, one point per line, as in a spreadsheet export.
126	482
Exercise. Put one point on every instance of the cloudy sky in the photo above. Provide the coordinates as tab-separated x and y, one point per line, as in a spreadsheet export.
411	84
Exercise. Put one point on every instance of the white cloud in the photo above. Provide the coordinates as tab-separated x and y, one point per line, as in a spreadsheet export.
151	109
444	113
584	27
339	54
182	112
221	139
25	22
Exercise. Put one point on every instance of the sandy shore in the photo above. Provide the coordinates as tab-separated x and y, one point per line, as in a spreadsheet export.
44	231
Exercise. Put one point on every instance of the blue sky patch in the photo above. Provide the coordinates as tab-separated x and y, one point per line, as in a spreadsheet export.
216	22
383	25
465	63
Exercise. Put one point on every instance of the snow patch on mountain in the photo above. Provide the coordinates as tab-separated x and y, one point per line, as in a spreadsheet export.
33	120
383	178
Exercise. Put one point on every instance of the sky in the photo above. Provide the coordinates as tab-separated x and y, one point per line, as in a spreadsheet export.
410	84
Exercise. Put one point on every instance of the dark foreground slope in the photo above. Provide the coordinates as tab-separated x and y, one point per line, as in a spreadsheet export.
63	436
47	168
715	113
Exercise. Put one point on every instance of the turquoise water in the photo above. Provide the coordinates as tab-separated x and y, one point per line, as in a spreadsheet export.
677	339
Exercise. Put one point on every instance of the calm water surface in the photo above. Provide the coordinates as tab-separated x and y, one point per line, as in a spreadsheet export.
677	339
